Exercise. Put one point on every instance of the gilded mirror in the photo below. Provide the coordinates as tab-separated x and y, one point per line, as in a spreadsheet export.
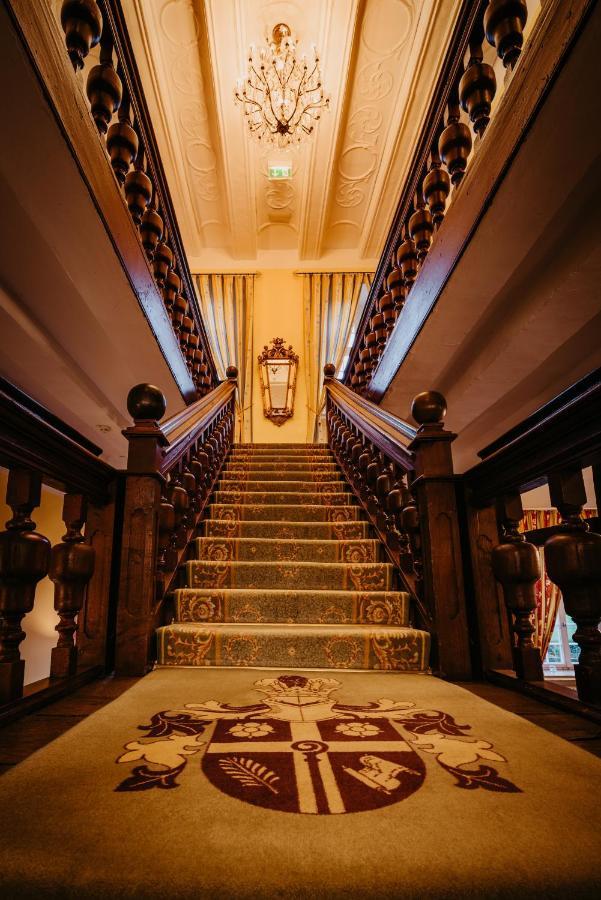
277	367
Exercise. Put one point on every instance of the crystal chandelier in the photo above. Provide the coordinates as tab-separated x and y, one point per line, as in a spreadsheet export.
282	96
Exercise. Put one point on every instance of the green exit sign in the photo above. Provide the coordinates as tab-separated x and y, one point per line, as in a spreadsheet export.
280	171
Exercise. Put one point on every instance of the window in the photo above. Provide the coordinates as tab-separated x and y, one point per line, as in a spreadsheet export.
563	650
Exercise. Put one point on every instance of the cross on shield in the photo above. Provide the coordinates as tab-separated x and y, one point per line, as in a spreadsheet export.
304	763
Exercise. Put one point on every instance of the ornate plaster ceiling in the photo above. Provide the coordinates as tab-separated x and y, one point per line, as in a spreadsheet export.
379	60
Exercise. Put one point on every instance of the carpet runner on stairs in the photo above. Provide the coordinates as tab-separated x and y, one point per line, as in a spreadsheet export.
285	571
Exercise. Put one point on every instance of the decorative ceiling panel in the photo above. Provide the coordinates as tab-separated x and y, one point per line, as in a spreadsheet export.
379	60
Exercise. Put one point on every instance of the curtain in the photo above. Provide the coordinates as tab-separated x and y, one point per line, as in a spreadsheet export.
226	304
548	595
332	303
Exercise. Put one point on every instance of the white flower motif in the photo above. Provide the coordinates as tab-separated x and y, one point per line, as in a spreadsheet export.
358	729
250	729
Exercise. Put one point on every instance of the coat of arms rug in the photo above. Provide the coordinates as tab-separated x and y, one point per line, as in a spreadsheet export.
241	783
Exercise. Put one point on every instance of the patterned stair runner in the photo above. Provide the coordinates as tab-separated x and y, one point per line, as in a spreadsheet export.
286	572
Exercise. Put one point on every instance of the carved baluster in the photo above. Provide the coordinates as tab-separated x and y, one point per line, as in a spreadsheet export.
171	291
437	186
363	462
478	85
573	560
71	567
151	228
504	22
421	226
138	187
455	142
178	496
410	525
190	487
163	260
383	487
406	257
24	560
167	555
82	23
386	305
185	332
122	140
103	86
398	498
372	474
396	286
516	565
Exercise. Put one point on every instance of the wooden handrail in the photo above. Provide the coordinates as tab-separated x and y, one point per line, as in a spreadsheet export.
171	472
387	432
32	438
108	128
182	429
403	477
463	154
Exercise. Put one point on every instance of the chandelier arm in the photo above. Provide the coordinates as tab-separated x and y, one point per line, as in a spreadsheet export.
299	94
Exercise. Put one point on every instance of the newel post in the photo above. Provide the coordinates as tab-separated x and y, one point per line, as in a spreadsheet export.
139	544
434	490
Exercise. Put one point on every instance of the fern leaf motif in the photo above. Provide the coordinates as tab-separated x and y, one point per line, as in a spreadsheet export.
250	773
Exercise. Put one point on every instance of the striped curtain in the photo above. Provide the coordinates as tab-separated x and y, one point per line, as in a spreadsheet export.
226	303
332	305
548	595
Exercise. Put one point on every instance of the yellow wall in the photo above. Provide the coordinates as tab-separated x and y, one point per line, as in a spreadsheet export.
39	624
279	313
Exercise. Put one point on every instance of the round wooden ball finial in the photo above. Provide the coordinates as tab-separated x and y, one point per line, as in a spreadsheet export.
145	401
429	408
329	370
231	372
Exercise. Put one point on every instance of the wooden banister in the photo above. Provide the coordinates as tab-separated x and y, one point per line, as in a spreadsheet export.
108	128
403	478
171	470
460	160
551	446
38	448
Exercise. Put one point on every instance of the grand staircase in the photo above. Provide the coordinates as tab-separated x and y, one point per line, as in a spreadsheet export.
285	573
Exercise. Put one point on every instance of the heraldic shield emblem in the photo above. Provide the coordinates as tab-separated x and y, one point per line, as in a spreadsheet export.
302	751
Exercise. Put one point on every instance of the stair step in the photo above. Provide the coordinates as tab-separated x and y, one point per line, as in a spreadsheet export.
270	512
317	607
271	476
286	550
376	576
278	446
301	646
292	487
252	498
343	531
318	469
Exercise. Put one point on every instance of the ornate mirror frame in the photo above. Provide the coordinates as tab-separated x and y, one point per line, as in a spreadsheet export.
278	368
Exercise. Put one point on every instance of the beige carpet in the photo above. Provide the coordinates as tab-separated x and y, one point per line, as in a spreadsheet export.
247	784
285	571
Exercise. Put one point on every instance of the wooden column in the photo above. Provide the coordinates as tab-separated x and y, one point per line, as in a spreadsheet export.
92	621
573	561
434	490
24	560
139	544
493	621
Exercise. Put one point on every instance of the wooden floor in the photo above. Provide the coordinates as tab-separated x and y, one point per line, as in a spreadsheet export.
28	734
23	737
